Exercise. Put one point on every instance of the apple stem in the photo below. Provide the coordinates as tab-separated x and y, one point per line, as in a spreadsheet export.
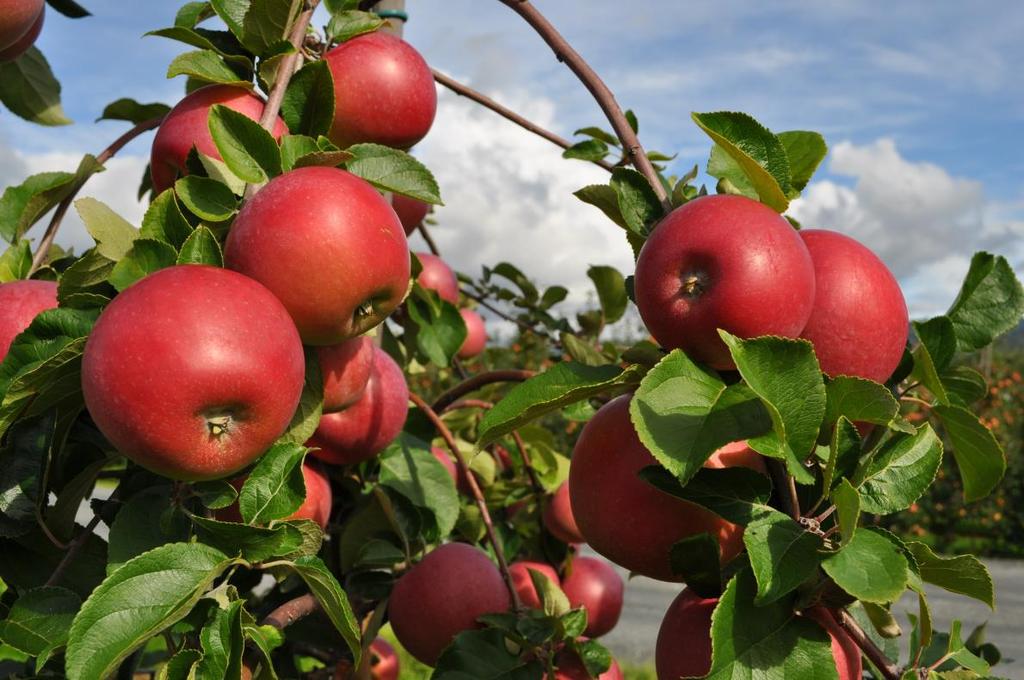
478	381
785	485
474	488
888	669
565	53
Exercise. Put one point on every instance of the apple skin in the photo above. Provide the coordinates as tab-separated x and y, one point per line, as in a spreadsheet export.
185	352
476	334
410	211
752	273
683	649
859	323
461	482
437	276
383	91
17	18
366	428
444	595
594	584
569	667
559	519
20	303
316	507
326	244
523	583
346	370
186	126
607	496
28	39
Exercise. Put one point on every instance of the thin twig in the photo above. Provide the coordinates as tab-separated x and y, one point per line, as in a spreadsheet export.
428	238
888	669
62	208
785	486
478	381
507	113
73	550
565	53
538	488
474	488
469	403
291	611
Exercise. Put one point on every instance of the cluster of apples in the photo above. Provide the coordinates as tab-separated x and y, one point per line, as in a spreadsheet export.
21	22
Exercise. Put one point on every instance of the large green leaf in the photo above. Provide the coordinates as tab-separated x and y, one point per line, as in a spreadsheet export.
223	643
860	401
977	452
611	291
29	90
870	568
253	544
783	554
332	598
737	494
805	151
311	402
408	467
38	621
484	655
113	234
393	170
249	151
900	471
308	104
990	302
276	487
145	522
25	203
962	574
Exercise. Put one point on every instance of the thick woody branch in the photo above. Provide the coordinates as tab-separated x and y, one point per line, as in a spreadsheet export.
474	488
507	113
565	53
476	382
291	611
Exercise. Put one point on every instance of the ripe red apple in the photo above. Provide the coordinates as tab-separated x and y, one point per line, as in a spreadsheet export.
444	595
186	126
569	667
346	370
383	92
595	585
461	483
328	246
608	498
383	663
476	334
193	372
12	15
365	429
410	211
438	277
723	262
859	321
684	641
316	507
558	517
523	583
20	303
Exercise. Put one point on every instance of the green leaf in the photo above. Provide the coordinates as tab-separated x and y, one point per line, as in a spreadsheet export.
253	544
782	554
69	8
554	601
248	150
844	454
436	326
870	568
268	22
859	401
611	291
145	522
208	67
132	111
393	170
201	247
113	234
38	621
16	262
164	221
964	385
181	666
515	275
552	296
207	198
959	653
638	204
308	104
409	468
332	598
276	487
731	177
848	506
805	151
311	403
294	147
145	257
760	155
737	494
266	638
564	384
587	150
990	302
900	472
977	452
683	413
604	197
21	206
215	493
29	90
963	574
785	374
84	283
25	455
191	13
598	133
484	655
765	642
939	335
223	643
169	580
347	24
581	350
696	560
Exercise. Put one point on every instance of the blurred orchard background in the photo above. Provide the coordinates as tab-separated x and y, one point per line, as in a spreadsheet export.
921	102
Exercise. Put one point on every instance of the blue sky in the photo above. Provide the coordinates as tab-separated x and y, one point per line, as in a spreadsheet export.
921	102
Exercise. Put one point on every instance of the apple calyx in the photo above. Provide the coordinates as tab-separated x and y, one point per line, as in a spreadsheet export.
694	284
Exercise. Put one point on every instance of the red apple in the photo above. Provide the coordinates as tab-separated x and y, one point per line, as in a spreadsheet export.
723	262
684	642
346	370
383	660
316	507
383	92
438	277
20	303
186	126
569	667
193	372
595	585
476	334
365	429
18	17
461	483
444	595
410	211
21	45
626	519
558	517
523	583
328	246
859	321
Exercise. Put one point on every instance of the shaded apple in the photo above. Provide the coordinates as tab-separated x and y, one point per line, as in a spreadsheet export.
193	372
437	276
411	212
461	483
20	303
724	262
365	429
476	334
558	517
346	370
569	667
444	595
316	506
594	584
10	20
383	662
523	582
328	246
